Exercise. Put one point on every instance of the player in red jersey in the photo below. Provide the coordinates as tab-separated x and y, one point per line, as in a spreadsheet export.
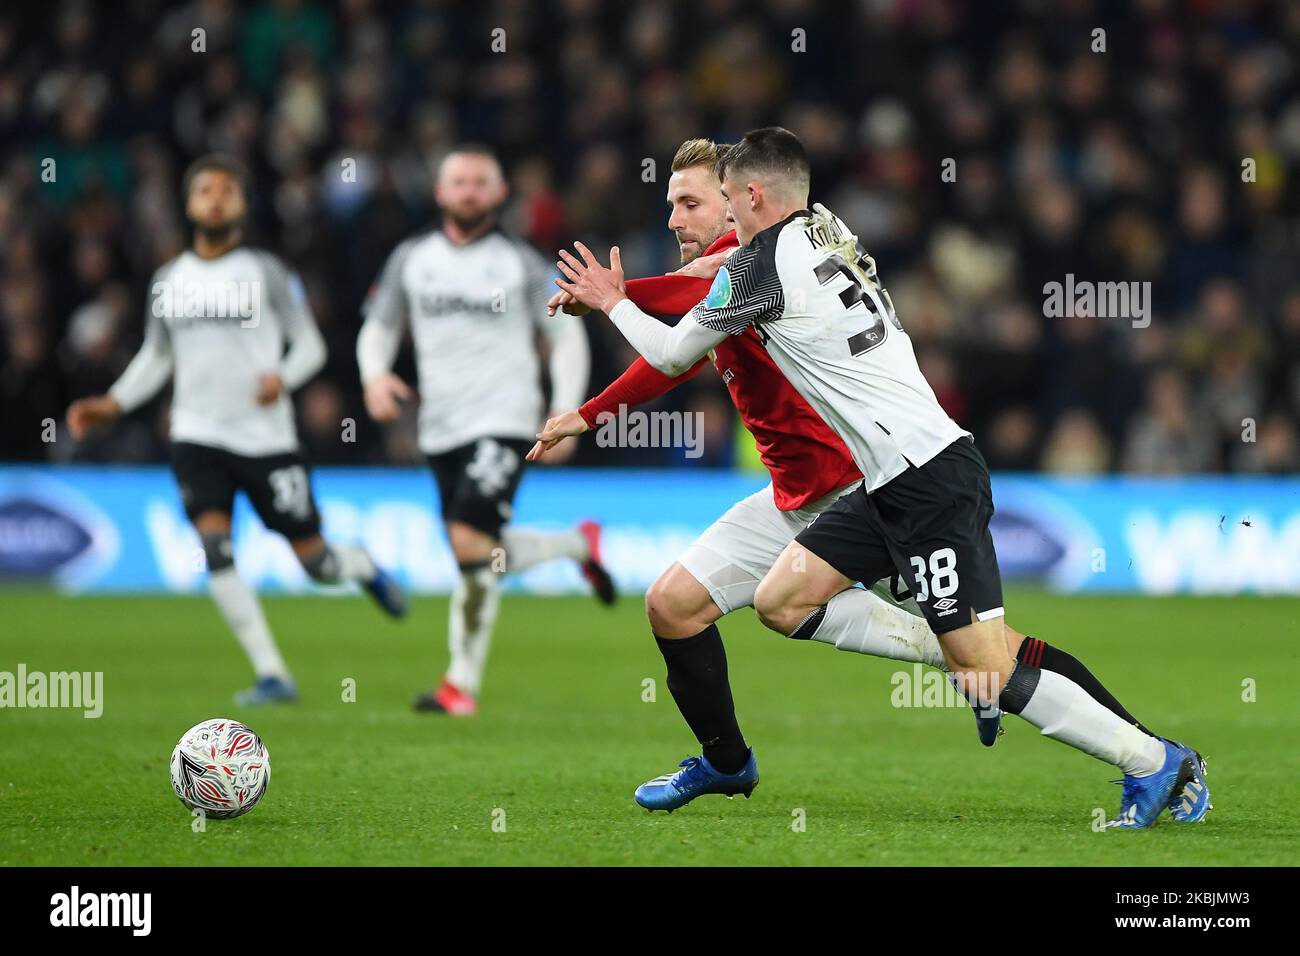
810	468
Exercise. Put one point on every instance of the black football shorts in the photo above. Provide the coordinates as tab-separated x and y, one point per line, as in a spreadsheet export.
477	482
277	486
931	525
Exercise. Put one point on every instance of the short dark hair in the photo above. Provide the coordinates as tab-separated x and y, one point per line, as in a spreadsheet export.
771	149
221	162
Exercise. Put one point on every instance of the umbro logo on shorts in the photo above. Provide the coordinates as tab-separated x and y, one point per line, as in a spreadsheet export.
945	606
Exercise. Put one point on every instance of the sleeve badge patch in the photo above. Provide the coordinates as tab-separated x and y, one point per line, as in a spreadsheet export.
720	292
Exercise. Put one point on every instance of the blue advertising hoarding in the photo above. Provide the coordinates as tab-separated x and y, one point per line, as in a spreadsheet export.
122	529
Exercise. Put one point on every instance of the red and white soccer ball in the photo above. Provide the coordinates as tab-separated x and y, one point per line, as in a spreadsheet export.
221	768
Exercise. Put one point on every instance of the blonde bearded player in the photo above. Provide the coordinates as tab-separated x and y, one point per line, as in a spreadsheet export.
475	302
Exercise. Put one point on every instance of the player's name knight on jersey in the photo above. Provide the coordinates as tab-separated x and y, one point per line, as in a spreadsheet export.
187	302
823	232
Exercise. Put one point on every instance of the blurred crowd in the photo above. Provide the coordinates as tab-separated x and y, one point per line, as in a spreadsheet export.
980	149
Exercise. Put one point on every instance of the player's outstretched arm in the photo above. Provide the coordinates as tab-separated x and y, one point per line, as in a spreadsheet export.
637	385
557	428
671	350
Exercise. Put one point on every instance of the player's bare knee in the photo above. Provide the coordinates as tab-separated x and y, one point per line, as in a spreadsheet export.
677	605
978	658
662	611
469	545
778	607
213	522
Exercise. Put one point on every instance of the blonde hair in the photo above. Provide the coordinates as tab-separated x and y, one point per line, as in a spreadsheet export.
698	152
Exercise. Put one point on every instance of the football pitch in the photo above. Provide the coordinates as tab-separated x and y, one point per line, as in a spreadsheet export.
575	714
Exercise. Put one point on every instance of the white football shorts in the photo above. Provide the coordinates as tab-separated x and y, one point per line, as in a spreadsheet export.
736	551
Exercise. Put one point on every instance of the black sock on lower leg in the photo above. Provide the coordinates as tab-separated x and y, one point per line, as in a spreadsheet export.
1049	658
697	679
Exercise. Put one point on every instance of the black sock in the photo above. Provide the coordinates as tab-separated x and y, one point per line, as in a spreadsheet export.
1042	655
697	679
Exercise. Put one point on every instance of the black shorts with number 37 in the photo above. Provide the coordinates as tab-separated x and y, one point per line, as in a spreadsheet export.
931	524
278	486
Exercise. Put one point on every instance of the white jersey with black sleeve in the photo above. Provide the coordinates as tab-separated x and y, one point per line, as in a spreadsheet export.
217	326
813	296
474	312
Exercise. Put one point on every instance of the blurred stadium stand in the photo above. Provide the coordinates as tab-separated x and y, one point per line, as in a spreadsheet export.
1116	166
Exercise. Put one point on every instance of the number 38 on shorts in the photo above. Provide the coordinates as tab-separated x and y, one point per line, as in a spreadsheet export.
937	576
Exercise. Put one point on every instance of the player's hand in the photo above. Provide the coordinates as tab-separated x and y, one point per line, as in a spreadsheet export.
269	388
87	413
704	267
555	431
383	393
591	283
562	300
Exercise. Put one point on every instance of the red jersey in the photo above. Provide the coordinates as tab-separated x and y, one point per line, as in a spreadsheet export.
805	457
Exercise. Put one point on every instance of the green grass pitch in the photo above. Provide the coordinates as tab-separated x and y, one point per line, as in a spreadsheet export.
544	775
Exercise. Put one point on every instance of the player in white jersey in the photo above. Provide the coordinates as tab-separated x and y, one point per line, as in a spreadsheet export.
475	302
803	282
219	320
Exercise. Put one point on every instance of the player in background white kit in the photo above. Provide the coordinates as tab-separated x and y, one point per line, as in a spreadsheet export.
475	302
220	317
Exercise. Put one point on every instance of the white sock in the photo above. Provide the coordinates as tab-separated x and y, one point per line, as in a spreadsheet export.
354	563
1064	711
474	601
238	604
526	548
865	623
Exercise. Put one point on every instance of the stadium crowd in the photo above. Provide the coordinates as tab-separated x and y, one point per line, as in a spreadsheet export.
1167	156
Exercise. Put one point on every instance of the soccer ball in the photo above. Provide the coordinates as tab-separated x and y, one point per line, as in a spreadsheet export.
221	768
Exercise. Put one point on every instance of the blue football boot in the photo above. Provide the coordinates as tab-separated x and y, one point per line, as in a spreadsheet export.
696	778
1145	797
268	690
1191	803
388	594
989	724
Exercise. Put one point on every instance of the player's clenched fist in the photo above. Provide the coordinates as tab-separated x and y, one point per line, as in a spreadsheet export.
383	395
87	413
555	431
